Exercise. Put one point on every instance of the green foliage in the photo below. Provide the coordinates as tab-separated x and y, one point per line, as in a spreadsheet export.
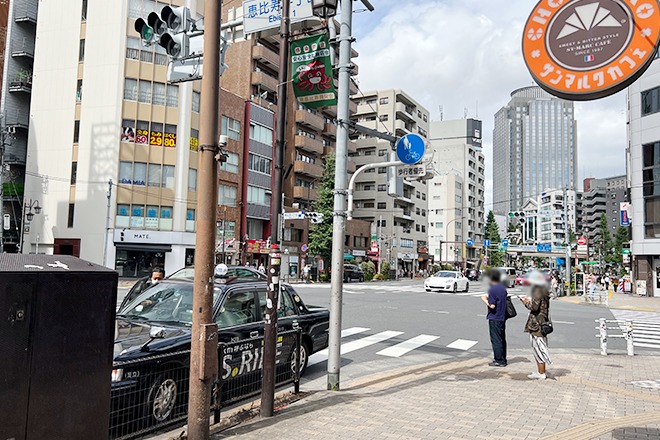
369	269
324	277
605	246
379	277
385	270
571	235
435	268
320	236
620	238
492	232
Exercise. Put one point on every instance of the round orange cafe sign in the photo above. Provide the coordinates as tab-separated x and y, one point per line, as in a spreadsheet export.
588	49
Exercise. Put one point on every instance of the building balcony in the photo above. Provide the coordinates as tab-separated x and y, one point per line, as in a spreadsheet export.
365	109
308	144
19	119
266	56
401	128
309	169
25	12
405	214
310	120
22	47
304	193
22	85
264	81
405	112
352	107
330	129
351	167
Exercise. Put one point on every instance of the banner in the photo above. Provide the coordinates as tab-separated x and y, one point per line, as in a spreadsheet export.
313	84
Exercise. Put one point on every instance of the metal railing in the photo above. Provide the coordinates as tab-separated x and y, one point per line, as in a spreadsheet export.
626	329
23	47
151	393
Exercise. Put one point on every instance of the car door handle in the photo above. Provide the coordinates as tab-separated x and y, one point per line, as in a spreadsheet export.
254	334
296	326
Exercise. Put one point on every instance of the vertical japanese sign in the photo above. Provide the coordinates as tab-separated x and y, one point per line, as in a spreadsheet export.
625	217
313	84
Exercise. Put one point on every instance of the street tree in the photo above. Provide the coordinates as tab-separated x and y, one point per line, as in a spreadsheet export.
620	239
492	233
320	235
605	246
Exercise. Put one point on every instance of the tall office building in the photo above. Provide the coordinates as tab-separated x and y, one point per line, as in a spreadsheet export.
457	148
644	176
402	220
534	148
18	59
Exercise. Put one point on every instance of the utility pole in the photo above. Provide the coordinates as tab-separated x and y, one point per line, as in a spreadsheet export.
204	347
224	228
275	258
107	223
568	242
2	192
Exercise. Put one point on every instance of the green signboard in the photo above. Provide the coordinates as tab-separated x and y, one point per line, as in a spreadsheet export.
313	83
625	251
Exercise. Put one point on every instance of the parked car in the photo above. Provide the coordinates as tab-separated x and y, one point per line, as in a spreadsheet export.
474	275
522	279
151	372
447	280
188	274
352	273
508	276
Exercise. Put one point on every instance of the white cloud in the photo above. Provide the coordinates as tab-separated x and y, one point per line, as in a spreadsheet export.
456	53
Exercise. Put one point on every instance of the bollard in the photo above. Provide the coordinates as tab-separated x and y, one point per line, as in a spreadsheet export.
629	338
603	336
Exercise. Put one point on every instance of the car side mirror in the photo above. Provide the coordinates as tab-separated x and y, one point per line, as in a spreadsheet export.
157	333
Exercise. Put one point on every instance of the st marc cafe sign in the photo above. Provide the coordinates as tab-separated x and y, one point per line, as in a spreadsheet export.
589	49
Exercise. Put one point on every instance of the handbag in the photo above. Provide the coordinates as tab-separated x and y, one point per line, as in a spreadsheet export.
510	309
546	327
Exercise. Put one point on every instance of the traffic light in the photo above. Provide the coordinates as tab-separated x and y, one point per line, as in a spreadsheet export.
146	32
314	217
518	216
169	29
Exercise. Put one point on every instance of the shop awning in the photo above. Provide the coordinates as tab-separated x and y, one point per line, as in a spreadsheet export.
143	247
349	257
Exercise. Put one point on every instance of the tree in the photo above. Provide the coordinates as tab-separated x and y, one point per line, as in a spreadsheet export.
320	235
571	236
620	238
492	233
605	245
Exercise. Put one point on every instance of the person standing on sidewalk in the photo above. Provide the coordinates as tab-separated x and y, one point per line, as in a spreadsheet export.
539	312
496	302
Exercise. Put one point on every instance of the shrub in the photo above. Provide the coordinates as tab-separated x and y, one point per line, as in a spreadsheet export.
385	270
435	268
324	277
369	269
378	277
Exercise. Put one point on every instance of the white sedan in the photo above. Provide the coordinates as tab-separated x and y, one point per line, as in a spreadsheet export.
447	280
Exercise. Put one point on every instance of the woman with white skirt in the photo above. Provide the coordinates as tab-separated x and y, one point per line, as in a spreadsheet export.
539	313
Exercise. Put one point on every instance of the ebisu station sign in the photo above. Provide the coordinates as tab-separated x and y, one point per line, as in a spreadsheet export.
588	49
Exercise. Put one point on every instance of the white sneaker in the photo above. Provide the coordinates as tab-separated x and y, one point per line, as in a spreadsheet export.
537	376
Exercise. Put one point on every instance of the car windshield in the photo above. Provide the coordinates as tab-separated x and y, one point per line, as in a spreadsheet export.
166	302
446	274
187	273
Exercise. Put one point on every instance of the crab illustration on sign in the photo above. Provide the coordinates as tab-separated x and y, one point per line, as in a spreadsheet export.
314	77
313	83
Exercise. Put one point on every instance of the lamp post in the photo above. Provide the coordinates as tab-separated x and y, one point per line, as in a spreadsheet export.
28	215
447	233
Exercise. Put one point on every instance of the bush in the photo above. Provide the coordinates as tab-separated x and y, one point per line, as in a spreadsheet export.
385	270
369	269
435	268
379	277
324	277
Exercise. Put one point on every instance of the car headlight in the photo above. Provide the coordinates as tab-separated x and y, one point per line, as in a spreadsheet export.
117	375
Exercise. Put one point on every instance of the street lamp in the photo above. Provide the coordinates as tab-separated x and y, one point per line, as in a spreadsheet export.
324	8
32	205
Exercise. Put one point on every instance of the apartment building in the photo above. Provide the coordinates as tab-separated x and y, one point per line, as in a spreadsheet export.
602	196
552	221
643	158
446	227
18	59
456	147
103	111
311	134
402	219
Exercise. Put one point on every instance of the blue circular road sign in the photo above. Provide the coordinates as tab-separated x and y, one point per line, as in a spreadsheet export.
410	149
470	242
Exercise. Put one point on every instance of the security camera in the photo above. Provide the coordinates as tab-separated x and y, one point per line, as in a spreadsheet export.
223	141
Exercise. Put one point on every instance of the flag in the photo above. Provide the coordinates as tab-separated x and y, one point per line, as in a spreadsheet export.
313	83
588	58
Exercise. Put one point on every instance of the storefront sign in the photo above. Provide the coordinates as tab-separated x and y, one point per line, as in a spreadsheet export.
142	136
170	140
257	247
585	49
358	253
194	144
156	139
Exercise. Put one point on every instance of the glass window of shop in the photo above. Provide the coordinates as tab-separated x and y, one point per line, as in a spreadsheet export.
138	264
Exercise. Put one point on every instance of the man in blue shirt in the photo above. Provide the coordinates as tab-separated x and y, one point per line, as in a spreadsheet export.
496	302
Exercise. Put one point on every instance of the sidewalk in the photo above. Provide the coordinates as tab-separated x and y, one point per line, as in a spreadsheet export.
626	301
586	397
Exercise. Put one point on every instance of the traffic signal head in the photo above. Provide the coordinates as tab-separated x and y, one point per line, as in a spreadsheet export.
156	24
176	45
146	32
176	19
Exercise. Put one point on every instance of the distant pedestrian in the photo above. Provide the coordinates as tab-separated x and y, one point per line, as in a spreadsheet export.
262	269
615	283
539	315
554	286
496	302
306	271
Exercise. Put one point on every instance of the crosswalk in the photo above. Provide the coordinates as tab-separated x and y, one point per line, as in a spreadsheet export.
393	351
646	327
364	288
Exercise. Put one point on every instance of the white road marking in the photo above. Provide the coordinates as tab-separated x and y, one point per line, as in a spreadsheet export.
442	312
354	345
390	307
462	344
404	347
353	331
563	322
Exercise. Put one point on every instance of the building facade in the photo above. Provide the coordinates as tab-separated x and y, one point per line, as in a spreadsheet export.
18	59
402	219
446	225
457	147
604	196
534	148
644	176
556	215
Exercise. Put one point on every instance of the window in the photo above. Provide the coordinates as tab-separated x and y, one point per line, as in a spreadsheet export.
72	209
382	170
651	101
651	188
382	187
144	92
74	172
154	178
407	243
192	179
259	196
159	94
126	172
169	139
133	48
79	90
238	309
423	196
423	228
381	223
384	118
123	210
172	99
384	101
231	128
360	242
130	89
261	134
417	228
76	132
382	205
227	195
259	164
139	173
231	165
382	152
168	176
196	98
81	51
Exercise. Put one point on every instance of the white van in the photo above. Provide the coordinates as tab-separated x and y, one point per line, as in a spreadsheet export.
508	276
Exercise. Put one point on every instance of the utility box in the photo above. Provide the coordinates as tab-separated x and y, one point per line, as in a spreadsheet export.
57	325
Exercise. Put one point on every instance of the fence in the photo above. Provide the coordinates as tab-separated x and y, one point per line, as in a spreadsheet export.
626	333
603	297
151	393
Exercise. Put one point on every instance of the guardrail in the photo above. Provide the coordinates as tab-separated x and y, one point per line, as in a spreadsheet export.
626	333
603	297
151	393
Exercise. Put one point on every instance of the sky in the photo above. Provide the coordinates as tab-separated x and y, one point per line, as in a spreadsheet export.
465	54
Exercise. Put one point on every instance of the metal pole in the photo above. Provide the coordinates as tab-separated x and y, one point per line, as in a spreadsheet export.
107	224
2	193
274	258
204	347
224	242
380	247
339	220
568	242
22	231
630	345
602	326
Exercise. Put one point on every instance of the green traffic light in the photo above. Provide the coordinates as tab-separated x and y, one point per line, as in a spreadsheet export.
147	33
